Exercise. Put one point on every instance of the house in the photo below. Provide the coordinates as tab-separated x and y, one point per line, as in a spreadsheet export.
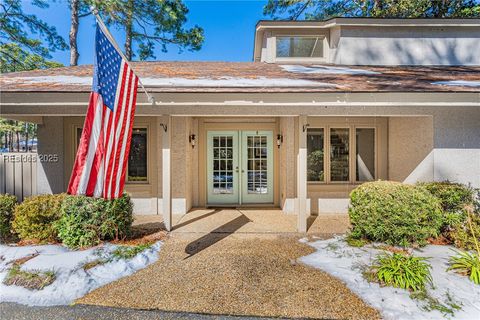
325	106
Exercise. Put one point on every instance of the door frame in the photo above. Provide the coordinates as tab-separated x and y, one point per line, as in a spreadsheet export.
206	124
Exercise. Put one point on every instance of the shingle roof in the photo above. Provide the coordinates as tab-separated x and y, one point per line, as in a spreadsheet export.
257	77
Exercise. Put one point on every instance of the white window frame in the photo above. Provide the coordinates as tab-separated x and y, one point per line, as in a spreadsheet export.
321	37
352	152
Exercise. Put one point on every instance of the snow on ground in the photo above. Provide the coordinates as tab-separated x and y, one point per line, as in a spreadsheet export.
325	69
72	281
186	82
337	258
458	83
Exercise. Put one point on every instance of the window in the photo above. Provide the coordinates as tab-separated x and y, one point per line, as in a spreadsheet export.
299	47
315	158
337	154
137	158
365	158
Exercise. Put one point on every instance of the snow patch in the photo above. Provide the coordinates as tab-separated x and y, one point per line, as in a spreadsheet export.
326	70
337	258
72	282
185	82
458	83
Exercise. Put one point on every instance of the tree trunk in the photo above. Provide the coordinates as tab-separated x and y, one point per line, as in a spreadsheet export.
129	30
17	135
73	33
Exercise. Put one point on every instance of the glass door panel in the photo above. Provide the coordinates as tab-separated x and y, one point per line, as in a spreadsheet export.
257	166
222	167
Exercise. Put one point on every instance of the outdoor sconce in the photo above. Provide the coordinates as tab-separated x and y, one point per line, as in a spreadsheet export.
192	140
279	140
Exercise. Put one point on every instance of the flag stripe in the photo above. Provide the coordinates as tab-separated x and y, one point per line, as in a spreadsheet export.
101	160
128	138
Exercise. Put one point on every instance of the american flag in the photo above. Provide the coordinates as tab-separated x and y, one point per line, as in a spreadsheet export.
101	160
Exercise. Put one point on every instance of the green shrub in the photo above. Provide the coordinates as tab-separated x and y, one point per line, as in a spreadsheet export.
7	207
395	213
467	264
400	271
87	221
454	199
462	235
34	219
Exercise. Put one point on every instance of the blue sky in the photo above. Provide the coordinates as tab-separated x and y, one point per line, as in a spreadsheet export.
229	29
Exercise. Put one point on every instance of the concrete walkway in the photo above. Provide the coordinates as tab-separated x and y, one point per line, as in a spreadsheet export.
254	221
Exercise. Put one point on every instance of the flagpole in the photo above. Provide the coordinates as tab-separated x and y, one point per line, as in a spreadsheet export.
115	45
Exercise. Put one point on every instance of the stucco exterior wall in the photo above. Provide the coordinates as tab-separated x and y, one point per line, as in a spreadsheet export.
287	165
410	145
407	46
50	177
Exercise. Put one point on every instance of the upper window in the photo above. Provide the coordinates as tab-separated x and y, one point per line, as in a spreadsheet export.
137	158
299	47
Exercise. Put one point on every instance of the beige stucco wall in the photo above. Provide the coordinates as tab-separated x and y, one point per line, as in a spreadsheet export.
287	165
410	142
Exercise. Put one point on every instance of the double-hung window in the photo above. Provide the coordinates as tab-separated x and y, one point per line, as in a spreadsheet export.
342	154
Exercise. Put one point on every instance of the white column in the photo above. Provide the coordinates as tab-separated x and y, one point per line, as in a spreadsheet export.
166	172
302	175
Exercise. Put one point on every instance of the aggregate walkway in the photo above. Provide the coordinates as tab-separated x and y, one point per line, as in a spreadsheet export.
234	274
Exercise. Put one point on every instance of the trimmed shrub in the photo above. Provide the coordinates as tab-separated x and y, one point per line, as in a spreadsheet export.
87	221
395	213
454	199
7	207
462	236
35	217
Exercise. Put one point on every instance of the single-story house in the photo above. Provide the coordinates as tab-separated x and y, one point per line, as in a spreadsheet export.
323	107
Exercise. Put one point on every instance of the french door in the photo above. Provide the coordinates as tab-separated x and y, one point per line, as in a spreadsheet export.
239	167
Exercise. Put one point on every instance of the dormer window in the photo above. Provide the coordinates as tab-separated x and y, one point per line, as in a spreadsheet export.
299	47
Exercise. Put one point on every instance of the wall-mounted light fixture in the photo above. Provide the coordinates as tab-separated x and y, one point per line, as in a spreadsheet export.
279	140
192	140
164	126
305	126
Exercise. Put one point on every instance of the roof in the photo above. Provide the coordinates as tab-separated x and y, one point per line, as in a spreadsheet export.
368	21
257	77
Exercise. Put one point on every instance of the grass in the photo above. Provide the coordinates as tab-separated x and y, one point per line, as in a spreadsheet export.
92	264
354	242
400	271
128	252
33	280
447	308
466	264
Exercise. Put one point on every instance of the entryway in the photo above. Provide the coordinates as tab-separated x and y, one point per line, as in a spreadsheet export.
239	167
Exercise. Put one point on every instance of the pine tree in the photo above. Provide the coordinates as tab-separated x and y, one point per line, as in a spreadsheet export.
324	9
148	23
15	41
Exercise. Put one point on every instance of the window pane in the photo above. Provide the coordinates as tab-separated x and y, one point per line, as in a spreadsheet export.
300	47
137	158
315	155
365	154
339	150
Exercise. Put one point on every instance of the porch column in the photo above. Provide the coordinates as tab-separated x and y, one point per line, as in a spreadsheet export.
166	165
302	175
